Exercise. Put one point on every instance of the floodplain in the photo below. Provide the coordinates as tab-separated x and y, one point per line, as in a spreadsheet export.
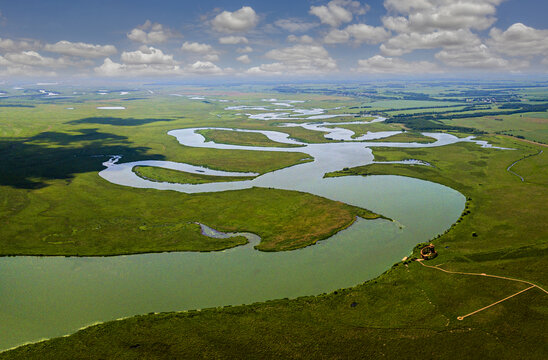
55	203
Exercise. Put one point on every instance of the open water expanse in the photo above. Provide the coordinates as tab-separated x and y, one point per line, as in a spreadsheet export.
44	297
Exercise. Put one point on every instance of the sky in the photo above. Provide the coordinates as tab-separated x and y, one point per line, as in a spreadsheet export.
337	39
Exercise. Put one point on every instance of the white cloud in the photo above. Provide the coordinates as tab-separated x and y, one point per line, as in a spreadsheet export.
298	59
13	69
360	33
519	40
205	51
336	36
32	58
337	12
244	59
243	50
240	20
197	47
151	33
363	33
31	63
204	68
233	40
406	43
429	15
81	49
387	65
304	39
476	57
211	57
147	55
295	25
110	68
19	45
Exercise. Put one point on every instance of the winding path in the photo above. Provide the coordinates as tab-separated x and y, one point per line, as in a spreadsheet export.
515	162
421	261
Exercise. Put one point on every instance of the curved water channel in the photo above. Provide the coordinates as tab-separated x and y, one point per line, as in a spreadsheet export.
44	297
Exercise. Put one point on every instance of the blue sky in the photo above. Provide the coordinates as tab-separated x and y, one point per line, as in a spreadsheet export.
344	39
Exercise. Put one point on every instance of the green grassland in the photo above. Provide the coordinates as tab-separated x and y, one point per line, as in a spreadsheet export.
181	177
361	129
52	156
408	311
240	138
531	126
407	137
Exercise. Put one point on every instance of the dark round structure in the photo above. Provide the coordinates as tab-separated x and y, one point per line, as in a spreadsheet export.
428	252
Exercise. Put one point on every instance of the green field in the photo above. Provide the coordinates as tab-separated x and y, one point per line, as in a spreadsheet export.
53	203
396	314
240	138
52	157
407	137
531	126
181	177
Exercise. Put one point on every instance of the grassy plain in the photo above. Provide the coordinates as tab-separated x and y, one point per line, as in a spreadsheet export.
181	177
52	155
240	138
531	126
407	137
409	310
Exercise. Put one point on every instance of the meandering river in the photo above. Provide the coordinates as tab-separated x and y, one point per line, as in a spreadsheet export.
44	297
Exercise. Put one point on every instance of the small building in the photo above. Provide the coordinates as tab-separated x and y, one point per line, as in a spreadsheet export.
428	252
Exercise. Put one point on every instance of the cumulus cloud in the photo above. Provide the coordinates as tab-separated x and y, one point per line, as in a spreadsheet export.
406	43
360	33
151	33
19	45
245	49
204	68
387	65
205	51
295	25
147	55
244	59
428	15
197	47
237	21
477	57
519	40
304	39
233	40
14	69
81	49
32	58
110	68
337	12
31	63
336	36
211	57
298	59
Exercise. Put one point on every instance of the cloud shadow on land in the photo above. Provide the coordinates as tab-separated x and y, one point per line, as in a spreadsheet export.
115	121
30	162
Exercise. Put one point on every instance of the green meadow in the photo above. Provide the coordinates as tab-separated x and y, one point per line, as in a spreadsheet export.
181	177
52	156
